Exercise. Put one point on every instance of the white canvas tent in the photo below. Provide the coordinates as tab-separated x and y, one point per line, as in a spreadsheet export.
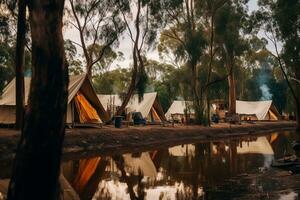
263	110
178	108
149	107
83	104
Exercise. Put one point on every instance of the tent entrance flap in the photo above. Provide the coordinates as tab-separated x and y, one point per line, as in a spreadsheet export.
86	112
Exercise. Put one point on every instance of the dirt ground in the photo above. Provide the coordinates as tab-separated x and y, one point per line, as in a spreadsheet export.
85	142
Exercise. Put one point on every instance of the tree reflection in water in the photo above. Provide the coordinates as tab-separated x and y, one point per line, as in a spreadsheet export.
210	170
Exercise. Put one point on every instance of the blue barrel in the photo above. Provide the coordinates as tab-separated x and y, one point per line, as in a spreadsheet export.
118	121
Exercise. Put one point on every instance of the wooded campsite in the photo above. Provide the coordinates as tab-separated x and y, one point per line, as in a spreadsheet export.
183	68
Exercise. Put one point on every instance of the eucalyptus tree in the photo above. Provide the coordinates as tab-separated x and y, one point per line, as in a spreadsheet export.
210	9
142	18
99	25
19	64
36	167
184	37
230	21
280	22
71	56
13	29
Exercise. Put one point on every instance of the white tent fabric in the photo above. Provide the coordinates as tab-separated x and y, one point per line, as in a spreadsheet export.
259	108
177	108
133	105
8	98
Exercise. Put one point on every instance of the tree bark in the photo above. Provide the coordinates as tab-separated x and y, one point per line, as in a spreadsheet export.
232	90
19	65
298	116
36	166
131	88
211	57
198	103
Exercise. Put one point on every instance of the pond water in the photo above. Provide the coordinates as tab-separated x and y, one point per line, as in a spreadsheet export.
228	169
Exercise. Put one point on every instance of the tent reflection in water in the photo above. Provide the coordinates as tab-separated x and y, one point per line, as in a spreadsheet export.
149	106
260	110
260	146
141	162
83	105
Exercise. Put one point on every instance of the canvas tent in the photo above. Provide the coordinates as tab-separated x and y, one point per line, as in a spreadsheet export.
149	107
260	110
83	105
178	109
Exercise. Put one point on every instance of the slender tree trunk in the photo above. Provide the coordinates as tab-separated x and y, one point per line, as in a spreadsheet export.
298	116
197	101
37	163
232	94
231	88
130	91
136	61
19	68
295	93
211	55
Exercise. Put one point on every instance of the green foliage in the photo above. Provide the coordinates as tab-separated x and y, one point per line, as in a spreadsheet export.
109	56
112	82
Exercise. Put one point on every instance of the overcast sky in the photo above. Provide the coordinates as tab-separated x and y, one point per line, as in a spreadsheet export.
125	44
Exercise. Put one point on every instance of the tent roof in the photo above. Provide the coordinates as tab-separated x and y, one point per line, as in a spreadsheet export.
8	97
133	105
259	108
178	107
76	83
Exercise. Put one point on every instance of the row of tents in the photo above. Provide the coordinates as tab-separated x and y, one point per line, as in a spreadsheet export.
251	110
86	107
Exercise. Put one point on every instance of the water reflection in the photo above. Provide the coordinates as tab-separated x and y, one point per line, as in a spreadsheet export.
229	169
213	170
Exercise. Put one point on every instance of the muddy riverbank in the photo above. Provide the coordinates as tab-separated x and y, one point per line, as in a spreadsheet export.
102	141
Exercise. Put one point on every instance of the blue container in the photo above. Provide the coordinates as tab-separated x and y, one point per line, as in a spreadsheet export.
118	121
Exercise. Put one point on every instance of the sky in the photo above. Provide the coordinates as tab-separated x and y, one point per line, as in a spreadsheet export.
125	45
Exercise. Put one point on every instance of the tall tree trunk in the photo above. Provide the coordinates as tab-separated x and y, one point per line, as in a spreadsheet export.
37	162
197	101
131	88
298	116
211	57
136	62
232	94
232	89
19	68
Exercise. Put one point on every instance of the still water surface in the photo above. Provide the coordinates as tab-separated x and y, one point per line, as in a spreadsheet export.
229	169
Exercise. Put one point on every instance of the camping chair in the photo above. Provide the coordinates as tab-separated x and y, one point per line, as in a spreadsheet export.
138	118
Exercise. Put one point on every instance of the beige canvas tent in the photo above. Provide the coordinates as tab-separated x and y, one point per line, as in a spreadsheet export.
83	105
257	110
178	110
149	107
